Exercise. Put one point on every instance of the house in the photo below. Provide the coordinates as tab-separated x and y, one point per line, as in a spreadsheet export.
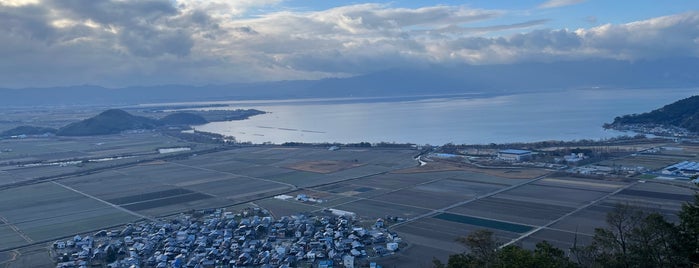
573	158
514	155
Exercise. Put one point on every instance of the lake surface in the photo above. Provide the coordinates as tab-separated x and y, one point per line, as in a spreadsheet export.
527	117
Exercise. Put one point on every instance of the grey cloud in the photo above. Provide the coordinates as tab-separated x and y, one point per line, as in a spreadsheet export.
116	12
149	43
30	21
155	42
144	28
402	17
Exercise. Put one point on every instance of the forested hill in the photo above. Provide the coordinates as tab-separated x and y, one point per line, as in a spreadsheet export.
683	113
108	122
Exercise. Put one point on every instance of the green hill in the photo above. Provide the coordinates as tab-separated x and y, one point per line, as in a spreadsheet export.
108	122
683	113
27	130
183	119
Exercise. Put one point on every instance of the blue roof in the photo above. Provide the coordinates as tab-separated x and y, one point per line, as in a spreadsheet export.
684	165
515	151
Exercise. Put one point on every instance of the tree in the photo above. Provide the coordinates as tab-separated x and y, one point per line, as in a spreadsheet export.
656	243
548	256
689	229
484	251
614	242
636	239
482	245
514	257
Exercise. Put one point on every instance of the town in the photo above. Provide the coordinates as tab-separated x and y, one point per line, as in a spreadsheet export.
221	238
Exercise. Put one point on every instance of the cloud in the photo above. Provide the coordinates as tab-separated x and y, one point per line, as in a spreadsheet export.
454	29
559	3
129	42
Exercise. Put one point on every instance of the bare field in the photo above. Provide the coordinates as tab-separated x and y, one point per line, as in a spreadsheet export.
649	161
324	166
513	211
10	238
280	208
548	195
422	199
46	211
442	165
371	209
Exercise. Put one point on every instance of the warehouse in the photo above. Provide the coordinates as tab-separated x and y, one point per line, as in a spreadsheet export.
514	155
684	169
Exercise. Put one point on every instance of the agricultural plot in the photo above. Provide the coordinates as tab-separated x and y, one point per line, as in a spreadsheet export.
373	209
239	189
285	207
173	187
10	238
47	211
580	183
467	189
422	199
437	238
56	148
649	161
551	195
324	166
394	181
513	211
563	240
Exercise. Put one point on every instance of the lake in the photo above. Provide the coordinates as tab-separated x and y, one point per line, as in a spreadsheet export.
527	117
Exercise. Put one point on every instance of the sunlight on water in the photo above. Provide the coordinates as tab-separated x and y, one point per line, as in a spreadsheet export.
566	115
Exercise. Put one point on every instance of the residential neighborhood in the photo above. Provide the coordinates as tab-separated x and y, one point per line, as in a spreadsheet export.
223	238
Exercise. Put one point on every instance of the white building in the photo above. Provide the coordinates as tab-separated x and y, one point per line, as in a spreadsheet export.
514	155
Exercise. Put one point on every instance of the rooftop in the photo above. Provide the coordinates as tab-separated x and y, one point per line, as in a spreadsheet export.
515	151
684	165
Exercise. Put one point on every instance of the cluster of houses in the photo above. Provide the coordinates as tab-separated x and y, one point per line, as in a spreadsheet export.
658	130
220	238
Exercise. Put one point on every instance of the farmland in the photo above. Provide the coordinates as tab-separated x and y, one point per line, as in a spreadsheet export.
429	206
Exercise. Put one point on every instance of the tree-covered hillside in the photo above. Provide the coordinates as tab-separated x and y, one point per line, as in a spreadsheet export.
683	113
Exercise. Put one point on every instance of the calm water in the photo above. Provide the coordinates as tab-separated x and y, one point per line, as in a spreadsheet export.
566	115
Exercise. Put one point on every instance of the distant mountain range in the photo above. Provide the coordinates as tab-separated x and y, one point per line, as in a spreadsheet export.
683	113
495	79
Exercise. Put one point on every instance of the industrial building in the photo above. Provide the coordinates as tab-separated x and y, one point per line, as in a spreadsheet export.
515	155
684	169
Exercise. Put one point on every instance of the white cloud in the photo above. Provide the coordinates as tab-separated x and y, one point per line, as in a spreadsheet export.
559	3
129	42
16	3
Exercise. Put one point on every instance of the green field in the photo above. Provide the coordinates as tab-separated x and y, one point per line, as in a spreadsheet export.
485	223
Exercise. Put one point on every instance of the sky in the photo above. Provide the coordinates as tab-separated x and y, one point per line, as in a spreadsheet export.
117	43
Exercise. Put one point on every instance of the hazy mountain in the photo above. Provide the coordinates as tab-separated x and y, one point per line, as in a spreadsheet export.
398	82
